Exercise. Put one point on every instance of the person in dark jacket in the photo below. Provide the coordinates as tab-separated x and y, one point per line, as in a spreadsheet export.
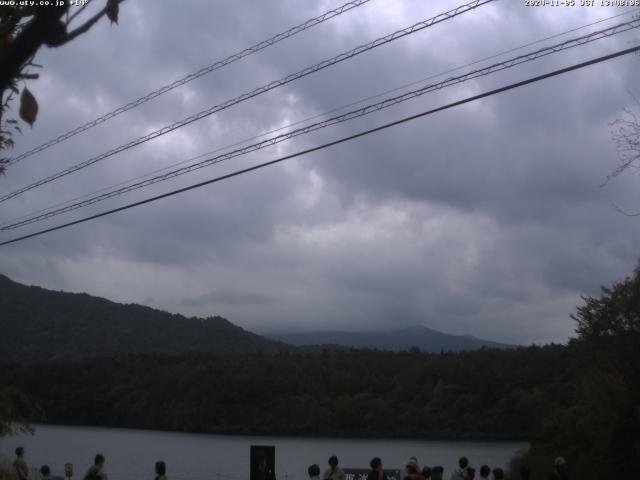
161	470
437	472
314	472
376	472
426	472
485	471
45	471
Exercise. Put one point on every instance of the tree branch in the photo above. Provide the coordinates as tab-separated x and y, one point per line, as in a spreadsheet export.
11	19
78	12
43	28
89	23
46	27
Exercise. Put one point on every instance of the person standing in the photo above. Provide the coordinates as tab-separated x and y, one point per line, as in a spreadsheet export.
376	472
161	470
45	471
20	465
413	462
498	474
96	471
412	472
485	471
458	473
314	472
437	472
334	472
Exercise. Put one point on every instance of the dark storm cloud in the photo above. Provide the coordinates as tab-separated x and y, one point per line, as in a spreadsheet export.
486	219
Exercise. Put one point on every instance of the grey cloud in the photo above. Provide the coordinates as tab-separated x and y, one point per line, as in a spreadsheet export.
226	298
486	219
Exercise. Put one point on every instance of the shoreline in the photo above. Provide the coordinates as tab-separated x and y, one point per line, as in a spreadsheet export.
442	439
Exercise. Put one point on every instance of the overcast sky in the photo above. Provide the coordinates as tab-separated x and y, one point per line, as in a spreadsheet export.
487	219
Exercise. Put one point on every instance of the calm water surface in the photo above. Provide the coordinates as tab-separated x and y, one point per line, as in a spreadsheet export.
131	454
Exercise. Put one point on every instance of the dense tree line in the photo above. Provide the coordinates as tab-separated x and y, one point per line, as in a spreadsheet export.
486	393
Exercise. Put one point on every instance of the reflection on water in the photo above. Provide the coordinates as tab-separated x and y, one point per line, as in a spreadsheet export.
131	454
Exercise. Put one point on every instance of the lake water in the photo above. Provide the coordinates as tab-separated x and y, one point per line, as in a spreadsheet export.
131	454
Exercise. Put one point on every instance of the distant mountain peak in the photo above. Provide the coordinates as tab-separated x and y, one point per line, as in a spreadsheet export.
402	338
418	328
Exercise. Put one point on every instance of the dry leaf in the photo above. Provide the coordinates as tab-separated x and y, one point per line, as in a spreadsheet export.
112	10
28	107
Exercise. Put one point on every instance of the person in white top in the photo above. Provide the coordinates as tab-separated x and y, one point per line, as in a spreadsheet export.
458	473
19	465
334	472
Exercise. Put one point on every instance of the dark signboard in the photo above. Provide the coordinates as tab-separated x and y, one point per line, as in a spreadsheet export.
263	462
361	474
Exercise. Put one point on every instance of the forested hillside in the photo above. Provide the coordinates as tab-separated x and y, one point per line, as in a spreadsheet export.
39	324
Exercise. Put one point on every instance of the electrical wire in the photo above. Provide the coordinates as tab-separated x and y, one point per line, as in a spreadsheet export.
312	22
332	143
265	88
298	122
496	67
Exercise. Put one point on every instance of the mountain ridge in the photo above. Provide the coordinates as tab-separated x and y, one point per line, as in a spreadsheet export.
40	324
426	339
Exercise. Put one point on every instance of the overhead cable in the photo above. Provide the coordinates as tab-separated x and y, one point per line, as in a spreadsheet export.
313	117
265	88
496	67
312	22
335	142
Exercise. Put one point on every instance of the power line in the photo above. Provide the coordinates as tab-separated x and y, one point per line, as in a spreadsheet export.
312	22
265	88
335	142
510	63
298	122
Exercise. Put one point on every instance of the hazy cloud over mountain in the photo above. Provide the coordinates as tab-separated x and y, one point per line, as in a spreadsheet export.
487	219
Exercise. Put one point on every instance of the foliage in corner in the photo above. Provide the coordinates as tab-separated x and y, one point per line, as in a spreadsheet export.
24	29
599	432
625	132
16	409
612	317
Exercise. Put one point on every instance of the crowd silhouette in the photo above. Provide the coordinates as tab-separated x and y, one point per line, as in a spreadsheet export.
412	471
